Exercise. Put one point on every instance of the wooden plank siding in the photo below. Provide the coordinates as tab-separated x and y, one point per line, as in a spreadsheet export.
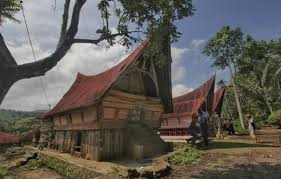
103	138
112	145
77	120
124	102
96	145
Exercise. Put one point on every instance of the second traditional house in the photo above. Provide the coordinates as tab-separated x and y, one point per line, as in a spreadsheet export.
113	114
178	122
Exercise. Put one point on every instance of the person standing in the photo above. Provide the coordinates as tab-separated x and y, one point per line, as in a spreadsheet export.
252	127
203	126
193	130
218	125
230	127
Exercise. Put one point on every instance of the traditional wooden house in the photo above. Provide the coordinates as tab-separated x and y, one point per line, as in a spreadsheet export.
218	101
113	114
178	122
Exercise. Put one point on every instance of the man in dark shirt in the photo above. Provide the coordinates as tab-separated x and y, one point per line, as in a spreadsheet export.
193	130
203	120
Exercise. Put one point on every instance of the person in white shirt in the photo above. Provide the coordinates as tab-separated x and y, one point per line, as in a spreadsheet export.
219	135
251	127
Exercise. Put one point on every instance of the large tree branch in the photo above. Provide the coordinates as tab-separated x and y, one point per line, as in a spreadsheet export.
64	21
67	39
40	67
96	41
6	58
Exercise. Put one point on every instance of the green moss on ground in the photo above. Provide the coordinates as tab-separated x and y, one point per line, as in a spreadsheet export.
33	164
13	150
188	156
66	169
3	172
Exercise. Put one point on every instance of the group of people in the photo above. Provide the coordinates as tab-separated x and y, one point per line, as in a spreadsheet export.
203	118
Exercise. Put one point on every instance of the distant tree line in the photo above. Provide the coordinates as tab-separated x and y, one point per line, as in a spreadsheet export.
18	122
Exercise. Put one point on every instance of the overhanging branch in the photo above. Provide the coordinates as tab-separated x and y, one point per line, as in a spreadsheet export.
40	67
96	41
64	21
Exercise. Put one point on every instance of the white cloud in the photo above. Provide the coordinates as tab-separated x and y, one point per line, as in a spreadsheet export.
178	73
180	89
197	43
178	70
178	54
23	54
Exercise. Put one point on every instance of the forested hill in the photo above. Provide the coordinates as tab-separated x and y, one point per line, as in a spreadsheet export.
18	122
8	114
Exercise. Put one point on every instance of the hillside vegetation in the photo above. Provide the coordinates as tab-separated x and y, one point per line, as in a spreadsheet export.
18	122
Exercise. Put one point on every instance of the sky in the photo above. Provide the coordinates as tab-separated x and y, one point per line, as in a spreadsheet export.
259	18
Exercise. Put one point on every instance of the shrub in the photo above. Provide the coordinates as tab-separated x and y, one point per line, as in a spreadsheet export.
33	164
273	118
238	127
185	157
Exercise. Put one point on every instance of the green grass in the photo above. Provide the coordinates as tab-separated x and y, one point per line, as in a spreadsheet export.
13	150
177	145
33	164
185	157
3	172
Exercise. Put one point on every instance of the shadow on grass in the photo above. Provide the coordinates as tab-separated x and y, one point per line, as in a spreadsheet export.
229	145
254	171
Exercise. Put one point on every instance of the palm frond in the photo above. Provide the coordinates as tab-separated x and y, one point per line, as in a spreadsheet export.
8	9
265	73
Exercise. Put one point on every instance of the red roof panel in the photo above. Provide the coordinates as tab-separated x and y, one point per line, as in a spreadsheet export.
218	97
6	138
192	101
87	89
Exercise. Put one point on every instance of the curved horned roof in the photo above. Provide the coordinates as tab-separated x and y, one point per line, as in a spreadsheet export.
87	90
218	100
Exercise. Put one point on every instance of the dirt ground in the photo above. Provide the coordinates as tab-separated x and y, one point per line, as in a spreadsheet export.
237	157
234	157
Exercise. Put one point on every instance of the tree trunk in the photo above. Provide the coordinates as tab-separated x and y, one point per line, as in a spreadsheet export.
268	105
5	85
237	98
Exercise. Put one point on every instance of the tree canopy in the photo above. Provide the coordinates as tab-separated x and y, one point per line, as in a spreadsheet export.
258	76
225	47
259	72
